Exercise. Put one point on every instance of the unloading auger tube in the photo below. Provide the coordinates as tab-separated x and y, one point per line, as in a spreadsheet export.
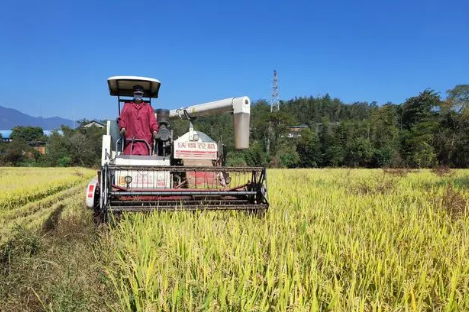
240	107
187	173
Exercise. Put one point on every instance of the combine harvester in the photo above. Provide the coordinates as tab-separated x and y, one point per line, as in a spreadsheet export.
187	173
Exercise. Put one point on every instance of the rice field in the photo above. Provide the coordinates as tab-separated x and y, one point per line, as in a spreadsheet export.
29	196
333	240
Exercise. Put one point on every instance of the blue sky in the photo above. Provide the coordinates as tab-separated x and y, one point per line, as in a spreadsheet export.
56	55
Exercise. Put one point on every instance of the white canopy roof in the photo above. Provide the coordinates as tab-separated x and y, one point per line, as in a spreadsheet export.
123	85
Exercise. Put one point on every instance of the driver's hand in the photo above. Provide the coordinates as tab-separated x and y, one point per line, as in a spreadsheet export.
154	134
122	132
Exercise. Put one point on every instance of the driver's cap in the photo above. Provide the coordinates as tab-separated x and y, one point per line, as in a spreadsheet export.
138	88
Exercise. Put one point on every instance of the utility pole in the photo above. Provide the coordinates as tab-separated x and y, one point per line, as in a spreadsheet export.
274	107
41	120
275	102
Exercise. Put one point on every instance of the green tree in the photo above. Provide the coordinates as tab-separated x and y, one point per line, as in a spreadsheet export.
255	155
423	155
57	150
420	123
452	134
15	152
420	108
28	134
386	156
332	152
384	135
280	122
85	146
308	149
458	99
359	153
287	156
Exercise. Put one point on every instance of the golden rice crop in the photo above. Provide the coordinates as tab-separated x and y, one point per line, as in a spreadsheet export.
28	196
19	186
333	240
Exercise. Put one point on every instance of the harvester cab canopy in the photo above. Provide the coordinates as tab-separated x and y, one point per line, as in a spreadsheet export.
123	86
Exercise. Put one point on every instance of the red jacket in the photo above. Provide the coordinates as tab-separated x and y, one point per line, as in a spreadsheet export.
139	122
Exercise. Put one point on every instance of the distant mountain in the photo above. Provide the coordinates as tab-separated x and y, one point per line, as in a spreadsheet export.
10	118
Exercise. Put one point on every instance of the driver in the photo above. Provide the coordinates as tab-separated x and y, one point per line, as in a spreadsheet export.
137	121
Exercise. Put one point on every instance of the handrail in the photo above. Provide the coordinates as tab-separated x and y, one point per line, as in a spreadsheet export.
150	151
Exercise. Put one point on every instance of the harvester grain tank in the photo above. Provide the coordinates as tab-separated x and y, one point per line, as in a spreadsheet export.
184	173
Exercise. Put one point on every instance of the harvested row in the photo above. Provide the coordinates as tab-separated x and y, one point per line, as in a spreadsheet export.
41	211
62	188
8	215
52	214
21	186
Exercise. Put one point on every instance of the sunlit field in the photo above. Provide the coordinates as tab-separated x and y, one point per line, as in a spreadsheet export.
333	240
30	196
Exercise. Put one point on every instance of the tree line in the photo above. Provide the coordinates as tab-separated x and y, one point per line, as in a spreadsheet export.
63	148
424	131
